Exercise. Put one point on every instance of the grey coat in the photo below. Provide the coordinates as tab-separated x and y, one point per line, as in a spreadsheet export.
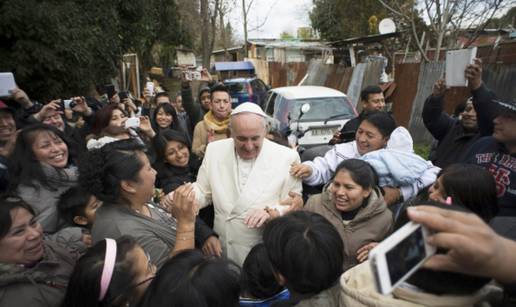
43	285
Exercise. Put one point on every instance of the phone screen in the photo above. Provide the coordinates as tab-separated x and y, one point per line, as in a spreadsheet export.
406	255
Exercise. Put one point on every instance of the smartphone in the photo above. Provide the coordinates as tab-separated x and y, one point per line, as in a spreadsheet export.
69	103
110	90
150	87
7	84
132	122
400	255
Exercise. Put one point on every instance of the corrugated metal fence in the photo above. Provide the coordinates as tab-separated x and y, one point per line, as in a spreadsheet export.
414	82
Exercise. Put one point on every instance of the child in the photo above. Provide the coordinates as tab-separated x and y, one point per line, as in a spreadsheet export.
77	210
259	286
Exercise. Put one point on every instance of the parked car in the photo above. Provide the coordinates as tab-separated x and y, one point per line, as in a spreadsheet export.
247	90
328	110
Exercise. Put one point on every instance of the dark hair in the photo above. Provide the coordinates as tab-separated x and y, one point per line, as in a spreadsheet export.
371	89
382	121
471	186
190	279
441	282
102	170
161	94
165	136
7	204
257	277
167	108
84	285
202	90
219	87
360	171
24	168
72	203
306	249
103	117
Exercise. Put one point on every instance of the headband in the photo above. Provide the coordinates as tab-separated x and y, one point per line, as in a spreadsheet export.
109	266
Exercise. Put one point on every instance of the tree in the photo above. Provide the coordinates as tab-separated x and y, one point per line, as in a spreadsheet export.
340	19
209	11
62	48
446	19
246	10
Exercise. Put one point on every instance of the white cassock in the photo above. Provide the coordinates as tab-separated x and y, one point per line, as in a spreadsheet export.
235	186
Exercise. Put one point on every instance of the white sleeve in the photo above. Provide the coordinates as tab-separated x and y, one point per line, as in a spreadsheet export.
323	167
427	178
202	186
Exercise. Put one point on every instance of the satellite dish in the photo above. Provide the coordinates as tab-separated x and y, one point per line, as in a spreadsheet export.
386	26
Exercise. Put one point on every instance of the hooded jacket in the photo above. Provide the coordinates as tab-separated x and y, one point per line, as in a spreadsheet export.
371	224
43	285
400	140
359	290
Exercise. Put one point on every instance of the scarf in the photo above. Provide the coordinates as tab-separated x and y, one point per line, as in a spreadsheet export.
211	122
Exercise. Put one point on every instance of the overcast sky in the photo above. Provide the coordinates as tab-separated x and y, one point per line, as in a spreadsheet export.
283	15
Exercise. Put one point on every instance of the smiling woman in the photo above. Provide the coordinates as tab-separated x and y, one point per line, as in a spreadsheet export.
353	203
33	271
41	169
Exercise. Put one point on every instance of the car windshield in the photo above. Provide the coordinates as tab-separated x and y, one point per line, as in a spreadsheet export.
320	109
236	87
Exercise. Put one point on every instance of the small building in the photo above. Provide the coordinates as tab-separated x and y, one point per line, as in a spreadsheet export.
185	57
232	54
276	50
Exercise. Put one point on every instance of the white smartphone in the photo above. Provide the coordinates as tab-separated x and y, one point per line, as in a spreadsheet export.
132	122
150	87
396	258
7	83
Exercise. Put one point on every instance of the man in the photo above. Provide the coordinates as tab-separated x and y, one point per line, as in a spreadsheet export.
214	125
455	136
7	141
497	152
182	117
372	99
246	177
52	114
197	109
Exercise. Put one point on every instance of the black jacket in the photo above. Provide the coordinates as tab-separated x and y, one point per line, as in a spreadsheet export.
170	177
454	141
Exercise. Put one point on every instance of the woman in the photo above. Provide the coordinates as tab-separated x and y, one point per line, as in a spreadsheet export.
120	175
33	271
353	203
376	131
468	186
110	126
130	274
164	117
305	251
175	164
190	279
41	169
259	287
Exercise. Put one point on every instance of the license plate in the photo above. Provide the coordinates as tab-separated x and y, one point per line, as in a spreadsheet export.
234	100
328	131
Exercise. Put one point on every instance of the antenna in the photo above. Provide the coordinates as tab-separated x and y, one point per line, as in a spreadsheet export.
386	26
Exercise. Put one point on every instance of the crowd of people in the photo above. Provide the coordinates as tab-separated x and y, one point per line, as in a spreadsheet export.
169	200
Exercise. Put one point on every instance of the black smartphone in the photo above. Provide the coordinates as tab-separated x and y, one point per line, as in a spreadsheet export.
123	95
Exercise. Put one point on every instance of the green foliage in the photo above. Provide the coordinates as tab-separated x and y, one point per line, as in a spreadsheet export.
423	150
286	36
58	48
340	19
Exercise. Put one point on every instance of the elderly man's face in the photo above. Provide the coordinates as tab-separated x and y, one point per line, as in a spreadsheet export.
248	132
